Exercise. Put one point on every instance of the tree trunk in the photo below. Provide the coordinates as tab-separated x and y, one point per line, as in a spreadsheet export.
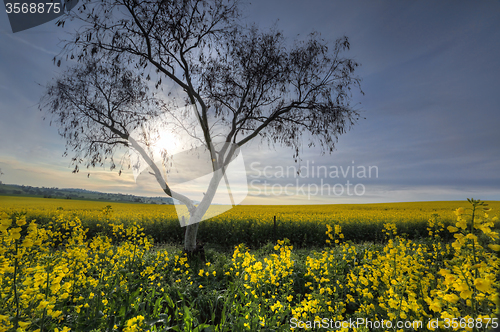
190	236
197	213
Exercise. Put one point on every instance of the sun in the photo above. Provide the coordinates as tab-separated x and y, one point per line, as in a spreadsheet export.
167	143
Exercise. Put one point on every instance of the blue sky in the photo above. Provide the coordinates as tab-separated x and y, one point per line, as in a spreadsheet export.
430	76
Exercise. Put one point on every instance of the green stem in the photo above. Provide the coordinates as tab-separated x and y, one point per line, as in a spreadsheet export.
46	299
16	297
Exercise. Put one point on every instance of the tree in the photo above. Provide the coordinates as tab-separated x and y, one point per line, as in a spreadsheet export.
251	82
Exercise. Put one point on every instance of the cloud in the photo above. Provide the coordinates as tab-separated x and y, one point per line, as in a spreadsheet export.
31	45
429	74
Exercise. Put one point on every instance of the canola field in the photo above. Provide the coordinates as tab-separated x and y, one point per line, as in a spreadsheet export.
95	266
303	225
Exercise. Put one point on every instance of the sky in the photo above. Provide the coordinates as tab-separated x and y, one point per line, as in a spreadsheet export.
431	108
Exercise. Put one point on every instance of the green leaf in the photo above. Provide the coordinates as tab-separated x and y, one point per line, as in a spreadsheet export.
156	307
155	321
201	327
170	303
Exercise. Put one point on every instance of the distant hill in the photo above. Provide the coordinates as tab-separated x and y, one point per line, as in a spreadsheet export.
81	194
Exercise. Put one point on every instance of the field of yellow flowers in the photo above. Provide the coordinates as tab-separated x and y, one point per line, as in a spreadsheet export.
55	276
303	225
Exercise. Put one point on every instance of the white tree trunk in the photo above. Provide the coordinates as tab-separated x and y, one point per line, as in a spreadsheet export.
196	212
190	236
199	212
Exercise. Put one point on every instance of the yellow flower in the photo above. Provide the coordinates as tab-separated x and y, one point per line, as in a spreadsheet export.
65	329
4	224
452	298
483	285
471	236
54	314
494	247
466	294
435	306
24	324
462	223
15	233
21	222
43	304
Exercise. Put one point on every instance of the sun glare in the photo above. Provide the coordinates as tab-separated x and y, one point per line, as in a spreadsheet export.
167	143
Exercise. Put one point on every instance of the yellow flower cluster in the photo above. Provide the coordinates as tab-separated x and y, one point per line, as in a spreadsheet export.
253	225
50	274
53	278
337	235
411	281
134	324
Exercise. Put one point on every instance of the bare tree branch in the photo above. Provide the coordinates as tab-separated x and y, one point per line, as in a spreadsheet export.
243	83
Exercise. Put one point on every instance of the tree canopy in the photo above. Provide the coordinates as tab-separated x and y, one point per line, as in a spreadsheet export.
243	83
